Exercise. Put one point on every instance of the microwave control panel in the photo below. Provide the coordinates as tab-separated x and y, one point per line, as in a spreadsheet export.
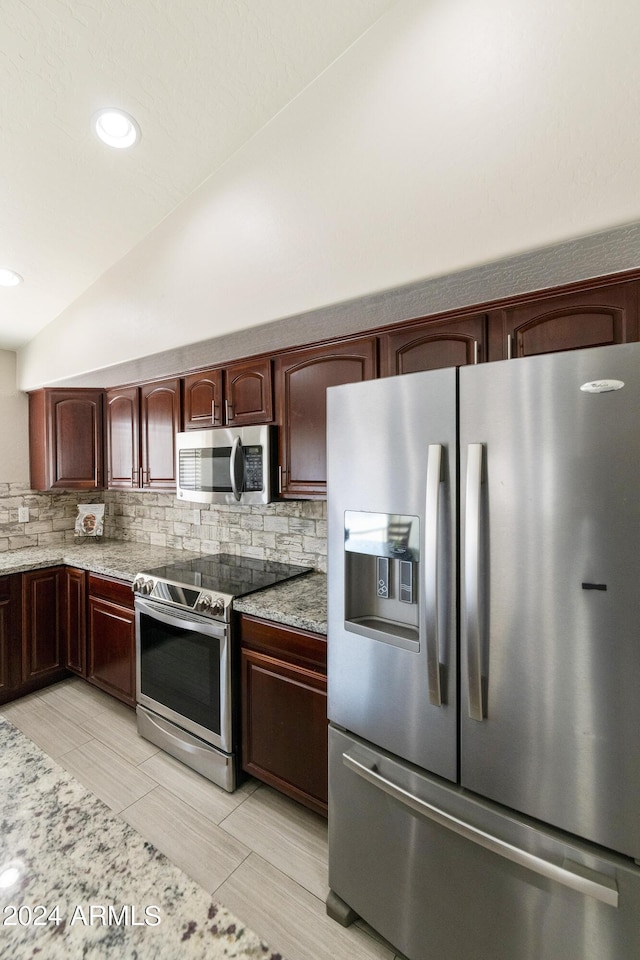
253	479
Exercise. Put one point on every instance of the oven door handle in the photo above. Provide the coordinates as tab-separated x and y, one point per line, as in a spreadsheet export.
158	611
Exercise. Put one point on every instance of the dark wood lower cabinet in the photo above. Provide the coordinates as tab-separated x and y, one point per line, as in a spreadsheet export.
75	614
111	646
62	618
284	709
10	637
43	653
31	631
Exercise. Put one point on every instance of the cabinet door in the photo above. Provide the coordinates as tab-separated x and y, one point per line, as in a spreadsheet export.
10	660
248	393
203	400
571	321
432	345
43	652
247	396
302	379
123	438
111	649
66	439
75	618
160	421
284	727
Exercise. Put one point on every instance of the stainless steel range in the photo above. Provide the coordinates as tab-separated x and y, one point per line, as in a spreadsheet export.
185	672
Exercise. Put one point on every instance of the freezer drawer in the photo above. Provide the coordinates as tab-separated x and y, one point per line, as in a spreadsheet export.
442	874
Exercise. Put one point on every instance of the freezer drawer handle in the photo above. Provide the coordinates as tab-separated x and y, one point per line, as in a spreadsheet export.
604	888
432	512
472	580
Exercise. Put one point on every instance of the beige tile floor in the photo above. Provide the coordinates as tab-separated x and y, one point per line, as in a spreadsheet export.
260	854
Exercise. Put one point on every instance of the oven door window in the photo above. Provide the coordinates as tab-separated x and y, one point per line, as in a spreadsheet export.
180	668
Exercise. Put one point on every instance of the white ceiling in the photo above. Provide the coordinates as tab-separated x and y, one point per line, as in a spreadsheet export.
200	76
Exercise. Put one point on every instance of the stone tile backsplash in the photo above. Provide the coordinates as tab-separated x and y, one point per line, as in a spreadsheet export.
291	531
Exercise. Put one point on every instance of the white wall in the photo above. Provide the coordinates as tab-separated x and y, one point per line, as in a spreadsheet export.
14	424
452	134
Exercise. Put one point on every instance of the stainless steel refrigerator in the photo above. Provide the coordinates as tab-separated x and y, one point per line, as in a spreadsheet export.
484	658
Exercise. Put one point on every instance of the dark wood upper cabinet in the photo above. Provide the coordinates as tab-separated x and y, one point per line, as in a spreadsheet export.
123	438
248	393
160	421
66	439
236	395
302	378
142	423
203	400
431	345
571	321
66	426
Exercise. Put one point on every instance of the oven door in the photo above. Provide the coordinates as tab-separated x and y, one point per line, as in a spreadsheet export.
183	670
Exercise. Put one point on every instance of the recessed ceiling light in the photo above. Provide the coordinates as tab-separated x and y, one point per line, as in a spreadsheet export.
9	278
116	128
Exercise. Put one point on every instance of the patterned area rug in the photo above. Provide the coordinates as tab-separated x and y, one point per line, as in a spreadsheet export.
78	882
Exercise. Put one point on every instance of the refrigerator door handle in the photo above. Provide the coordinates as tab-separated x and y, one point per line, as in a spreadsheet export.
472	580
584	880
432	513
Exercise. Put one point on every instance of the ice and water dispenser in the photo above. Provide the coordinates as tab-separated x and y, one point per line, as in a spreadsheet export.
382	553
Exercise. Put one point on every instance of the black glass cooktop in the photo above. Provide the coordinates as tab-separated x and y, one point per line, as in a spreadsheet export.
226	573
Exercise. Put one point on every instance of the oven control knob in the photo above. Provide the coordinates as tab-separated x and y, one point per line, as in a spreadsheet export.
143	585
207	604
203	604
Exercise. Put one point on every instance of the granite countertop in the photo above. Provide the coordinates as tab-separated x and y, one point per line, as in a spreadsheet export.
113	558
301	602
298	603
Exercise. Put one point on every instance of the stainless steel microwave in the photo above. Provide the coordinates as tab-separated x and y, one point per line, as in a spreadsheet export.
227	465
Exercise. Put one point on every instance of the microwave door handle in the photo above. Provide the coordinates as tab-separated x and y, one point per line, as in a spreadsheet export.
236	468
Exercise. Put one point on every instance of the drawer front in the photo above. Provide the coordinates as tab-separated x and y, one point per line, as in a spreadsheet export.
434	891
118	591
288	643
